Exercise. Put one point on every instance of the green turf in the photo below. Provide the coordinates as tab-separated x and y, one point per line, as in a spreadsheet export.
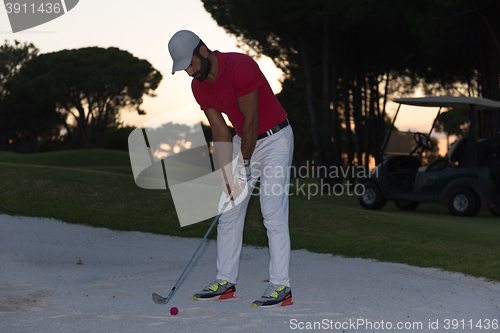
90	159
91	187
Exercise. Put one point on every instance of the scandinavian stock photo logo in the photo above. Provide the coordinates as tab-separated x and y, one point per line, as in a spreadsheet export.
166	154
26	14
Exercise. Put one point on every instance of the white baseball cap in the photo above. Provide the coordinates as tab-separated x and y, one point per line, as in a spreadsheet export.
181	47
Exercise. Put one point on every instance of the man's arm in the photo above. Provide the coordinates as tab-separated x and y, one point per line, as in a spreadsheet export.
220	131
223	146
249	106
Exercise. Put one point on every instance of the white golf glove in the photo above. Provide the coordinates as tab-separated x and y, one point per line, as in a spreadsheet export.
242	173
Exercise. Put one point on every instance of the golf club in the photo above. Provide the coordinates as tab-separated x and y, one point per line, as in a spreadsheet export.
163	300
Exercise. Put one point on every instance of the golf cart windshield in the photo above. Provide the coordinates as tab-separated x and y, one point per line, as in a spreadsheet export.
400	143
451	102
479	149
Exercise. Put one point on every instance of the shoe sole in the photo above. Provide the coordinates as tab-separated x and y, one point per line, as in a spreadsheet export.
285	302
215	298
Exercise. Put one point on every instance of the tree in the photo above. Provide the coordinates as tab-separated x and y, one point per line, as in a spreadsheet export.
461	40
454	122
31	107
349	58
12	58
90	86
340	54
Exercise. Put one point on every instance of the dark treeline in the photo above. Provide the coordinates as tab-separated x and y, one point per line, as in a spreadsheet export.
344	60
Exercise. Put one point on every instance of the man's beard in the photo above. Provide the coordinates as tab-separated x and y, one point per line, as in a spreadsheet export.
202	74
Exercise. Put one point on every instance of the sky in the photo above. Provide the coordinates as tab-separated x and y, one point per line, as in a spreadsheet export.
144	28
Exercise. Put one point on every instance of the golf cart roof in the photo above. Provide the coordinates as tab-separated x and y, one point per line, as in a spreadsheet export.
449	102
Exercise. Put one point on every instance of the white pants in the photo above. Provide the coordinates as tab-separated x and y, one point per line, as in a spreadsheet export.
271	160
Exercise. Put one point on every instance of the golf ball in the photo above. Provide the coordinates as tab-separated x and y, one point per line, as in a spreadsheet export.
174	311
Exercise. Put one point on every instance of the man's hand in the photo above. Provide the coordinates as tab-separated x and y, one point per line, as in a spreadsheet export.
241	176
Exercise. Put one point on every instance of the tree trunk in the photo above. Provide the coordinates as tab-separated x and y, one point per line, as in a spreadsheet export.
336	128
33	141
368	118
22	141
83	126
102	131
326	182
490	88
69	133
347	116
357	117
3	139
371	142
310	101
380	129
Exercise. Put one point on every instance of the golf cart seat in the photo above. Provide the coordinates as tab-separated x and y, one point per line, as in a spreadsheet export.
489	157
456	151
454	154
486	150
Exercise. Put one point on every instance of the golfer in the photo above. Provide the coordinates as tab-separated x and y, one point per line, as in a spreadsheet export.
232	83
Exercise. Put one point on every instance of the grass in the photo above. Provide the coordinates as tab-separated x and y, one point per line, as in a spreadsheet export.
95	159
95	187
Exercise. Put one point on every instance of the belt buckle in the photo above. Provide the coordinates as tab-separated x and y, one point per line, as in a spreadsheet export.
275	129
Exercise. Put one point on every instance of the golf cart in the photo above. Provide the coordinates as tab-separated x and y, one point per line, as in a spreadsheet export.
466	179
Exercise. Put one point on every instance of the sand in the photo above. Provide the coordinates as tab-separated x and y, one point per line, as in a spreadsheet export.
59	277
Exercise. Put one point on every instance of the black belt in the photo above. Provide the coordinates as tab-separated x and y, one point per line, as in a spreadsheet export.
274	130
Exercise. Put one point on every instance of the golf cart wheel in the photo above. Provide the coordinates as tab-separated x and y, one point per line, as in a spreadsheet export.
464	202
372	197
494	210
406	204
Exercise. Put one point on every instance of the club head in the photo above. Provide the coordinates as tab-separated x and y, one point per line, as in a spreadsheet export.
159	299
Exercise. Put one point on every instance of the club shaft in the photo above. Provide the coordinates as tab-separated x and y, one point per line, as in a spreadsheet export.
199	246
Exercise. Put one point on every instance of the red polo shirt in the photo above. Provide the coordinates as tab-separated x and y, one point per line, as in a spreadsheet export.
238	76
